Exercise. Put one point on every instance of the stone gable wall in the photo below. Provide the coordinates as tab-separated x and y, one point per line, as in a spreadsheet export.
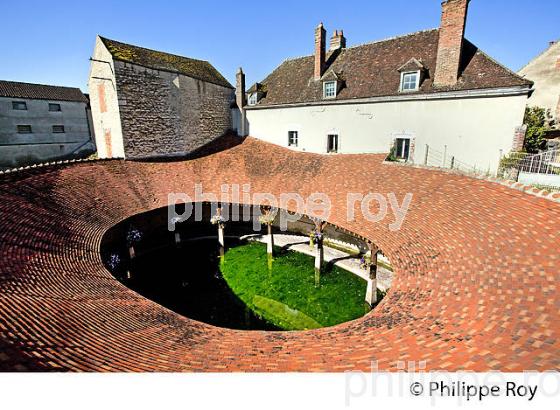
168	114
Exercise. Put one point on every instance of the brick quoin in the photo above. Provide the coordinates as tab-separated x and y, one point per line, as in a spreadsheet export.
108	144
519	138
475	270
101	92
450	43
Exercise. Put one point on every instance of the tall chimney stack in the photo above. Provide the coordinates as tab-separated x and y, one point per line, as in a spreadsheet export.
240	100
240	88
450	45
320	34
337	40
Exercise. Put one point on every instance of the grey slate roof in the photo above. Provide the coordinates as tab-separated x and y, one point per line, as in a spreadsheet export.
40	92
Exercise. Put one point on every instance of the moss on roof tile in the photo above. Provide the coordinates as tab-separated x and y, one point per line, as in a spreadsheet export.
159	60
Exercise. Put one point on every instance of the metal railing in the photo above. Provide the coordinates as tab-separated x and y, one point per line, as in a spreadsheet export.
541	170
547	162
444	159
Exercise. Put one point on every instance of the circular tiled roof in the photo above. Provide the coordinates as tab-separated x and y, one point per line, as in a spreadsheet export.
476	270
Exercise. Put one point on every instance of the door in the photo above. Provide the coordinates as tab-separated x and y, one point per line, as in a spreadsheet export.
332	143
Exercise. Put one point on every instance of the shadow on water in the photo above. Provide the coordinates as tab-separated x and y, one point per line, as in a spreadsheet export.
187	280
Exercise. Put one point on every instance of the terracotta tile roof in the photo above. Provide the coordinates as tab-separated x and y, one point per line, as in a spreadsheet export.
199	69
40	92
371	70
475	287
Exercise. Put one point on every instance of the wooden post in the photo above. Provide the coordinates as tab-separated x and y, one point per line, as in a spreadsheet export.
221	235
319	251
220	228
371	291
270	241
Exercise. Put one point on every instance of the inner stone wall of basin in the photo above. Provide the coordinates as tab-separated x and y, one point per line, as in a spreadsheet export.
153	226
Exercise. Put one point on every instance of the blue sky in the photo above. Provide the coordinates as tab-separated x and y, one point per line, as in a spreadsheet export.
51	42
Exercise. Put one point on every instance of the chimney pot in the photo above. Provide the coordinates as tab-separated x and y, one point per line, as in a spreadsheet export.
337	41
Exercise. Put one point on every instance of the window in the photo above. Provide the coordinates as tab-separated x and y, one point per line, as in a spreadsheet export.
329	89
402	148
292	138
252	99
58	129
409	81
24	129
19	105
54	107
332	143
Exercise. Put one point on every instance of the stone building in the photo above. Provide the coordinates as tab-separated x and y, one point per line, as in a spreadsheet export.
148	104
40	123
544	71
426	94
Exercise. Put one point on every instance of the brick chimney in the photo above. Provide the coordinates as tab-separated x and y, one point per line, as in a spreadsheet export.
240	100
337	41
240	88
451	35
320	34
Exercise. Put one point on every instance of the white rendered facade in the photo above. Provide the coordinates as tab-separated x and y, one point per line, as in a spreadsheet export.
475	127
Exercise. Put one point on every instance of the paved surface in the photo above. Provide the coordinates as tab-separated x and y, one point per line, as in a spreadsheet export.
342	259
475	287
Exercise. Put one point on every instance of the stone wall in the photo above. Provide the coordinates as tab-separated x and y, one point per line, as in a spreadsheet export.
168	114
544	70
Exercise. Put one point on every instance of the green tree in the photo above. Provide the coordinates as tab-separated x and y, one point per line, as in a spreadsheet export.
538	121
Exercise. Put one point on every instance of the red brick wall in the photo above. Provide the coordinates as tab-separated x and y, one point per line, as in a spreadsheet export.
452	30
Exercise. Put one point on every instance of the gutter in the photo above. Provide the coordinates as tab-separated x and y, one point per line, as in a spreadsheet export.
483	93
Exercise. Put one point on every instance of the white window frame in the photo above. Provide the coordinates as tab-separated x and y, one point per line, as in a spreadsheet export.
328	83
252	100
290	143
400	155
404	75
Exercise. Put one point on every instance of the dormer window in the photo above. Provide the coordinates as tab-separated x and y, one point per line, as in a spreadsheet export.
252	99
412	74
410	81
329	89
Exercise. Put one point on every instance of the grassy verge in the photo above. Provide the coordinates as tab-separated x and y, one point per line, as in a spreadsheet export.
283	292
